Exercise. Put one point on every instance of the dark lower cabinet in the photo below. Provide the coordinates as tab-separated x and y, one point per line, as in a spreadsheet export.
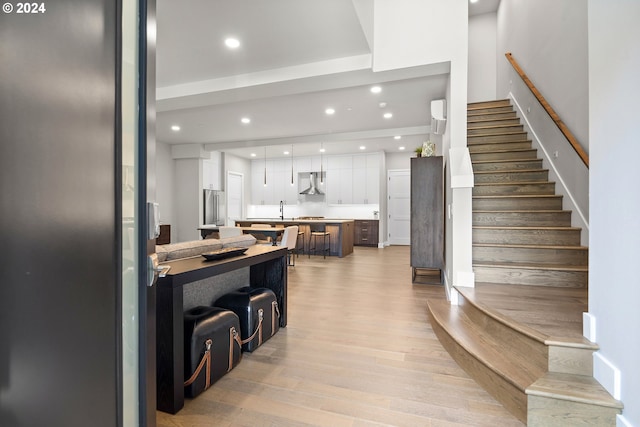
366	232
427	213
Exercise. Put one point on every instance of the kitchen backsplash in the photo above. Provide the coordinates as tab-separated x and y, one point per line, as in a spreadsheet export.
313	209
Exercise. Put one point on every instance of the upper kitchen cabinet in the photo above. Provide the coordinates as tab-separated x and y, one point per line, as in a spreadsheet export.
353	179
211	172
339	180
309	164
278	182
366	179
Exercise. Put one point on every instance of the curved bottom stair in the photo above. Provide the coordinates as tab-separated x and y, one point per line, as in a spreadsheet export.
524	345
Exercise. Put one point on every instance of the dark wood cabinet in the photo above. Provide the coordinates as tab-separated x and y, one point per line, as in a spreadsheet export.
366	232
165	235
427	213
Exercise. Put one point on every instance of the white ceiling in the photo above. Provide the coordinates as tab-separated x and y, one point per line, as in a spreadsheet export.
297	58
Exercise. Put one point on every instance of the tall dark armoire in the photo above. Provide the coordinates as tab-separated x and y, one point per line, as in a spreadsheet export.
427	216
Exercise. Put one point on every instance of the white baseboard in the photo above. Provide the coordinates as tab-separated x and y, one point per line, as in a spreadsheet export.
607	374
621	421
589	326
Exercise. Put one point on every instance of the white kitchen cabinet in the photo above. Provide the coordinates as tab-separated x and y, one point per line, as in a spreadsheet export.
278	186
339	180
302	164
211	172
366	179
261	194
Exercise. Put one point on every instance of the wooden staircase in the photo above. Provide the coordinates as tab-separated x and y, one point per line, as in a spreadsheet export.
518	332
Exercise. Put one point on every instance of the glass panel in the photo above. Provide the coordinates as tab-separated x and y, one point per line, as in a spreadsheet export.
130	216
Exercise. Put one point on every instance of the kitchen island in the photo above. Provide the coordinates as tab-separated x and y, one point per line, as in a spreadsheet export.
340	230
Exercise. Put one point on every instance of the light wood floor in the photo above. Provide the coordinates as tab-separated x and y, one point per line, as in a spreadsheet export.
358	351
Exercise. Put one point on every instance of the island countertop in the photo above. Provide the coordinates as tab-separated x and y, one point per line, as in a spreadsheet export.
295	221
341	231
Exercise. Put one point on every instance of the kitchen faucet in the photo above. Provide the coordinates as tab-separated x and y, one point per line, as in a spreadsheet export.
281	210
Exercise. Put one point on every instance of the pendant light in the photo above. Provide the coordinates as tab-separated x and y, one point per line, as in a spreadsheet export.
321	151
292	165
265	166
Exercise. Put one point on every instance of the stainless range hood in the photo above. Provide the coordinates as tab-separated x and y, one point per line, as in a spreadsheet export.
313	189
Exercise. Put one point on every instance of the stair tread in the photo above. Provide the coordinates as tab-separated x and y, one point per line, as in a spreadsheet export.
532	266
516	245
481	344
574	388
551	315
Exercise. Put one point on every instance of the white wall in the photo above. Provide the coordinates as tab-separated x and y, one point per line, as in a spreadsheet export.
548	39
555	59
416	32
239	165
482	57
398	160
614	249
165	178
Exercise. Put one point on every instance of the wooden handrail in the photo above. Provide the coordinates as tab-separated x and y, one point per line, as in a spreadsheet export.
554	116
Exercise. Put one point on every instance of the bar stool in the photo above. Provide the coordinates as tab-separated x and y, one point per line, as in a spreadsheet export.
303	234
261	238
319	230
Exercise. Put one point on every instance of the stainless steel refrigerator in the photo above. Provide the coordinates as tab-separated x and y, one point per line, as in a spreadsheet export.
213	207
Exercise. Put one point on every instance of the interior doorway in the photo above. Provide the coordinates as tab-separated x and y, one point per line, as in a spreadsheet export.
399	206
235	199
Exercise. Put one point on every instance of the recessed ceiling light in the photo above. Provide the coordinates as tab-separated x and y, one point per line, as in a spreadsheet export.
329	111
253	154
400	148
362	147
232	43
245	120
175	128
382	104
376	89
286	152
387	115
397	137
473	1
322	150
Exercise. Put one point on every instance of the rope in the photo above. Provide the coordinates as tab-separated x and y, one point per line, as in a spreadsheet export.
206	358
258	329
233	337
